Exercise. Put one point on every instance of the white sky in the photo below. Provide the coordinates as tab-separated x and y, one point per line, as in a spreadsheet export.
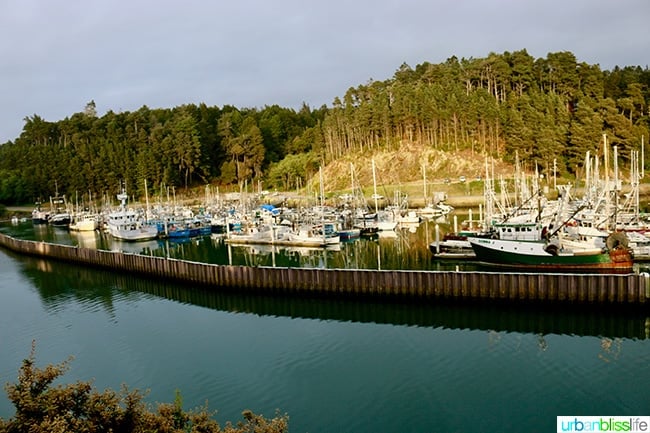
55	56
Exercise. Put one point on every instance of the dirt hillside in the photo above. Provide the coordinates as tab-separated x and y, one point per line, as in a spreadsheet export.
404	166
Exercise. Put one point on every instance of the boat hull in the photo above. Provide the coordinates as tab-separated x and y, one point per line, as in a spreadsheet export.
452	250
349	234
531	255
142	233
84	225
60	220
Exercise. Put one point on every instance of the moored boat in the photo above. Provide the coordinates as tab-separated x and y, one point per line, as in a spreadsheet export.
349	234
40	216
84	222
551	255
128	225
453	246
59	214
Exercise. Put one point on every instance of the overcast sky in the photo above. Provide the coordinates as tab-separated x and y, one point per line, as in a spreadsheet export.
56	56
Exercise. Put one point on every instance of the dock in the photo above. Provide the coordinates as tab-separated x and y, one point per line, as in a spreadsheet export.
629	290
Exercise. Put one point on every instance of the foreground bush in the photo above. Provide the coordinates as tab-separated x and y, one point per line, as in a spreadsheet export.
79	408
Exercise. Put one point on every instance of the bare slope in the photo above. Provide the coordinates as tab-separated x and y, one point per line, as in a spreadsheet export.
403	168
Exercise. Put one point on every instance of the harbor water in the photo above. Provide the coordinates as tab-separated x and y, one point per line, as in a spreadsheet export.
333	365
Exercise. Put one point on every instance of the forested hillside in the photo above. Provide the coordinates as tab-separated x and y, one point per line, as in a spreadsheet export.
543	110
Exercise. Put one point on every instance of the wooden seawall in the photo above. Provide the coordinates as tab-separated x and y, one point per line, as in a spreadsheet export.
595	289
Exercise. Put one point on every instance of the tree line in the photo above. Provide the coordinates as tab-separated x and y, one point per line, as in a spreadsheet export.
502	105
548	111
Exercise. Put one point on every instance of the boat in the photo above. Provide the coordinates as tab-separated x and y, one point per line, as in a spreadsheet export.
432	211
640	245
128	225
263	234
60	219
346	229
308	235
39	216
59	214
199	227
84	222
553	255
349	234
177	232
408	217
453	246
368	231
328	232
305	235
379	224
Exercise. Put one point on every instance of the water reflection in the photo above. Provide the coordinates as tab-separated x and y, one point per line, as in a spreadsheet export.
610	349
405	248
59	283
85	239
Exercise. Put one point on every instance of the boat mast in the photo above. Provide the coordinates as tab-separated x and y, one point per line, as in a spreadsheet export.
518	189
634	179
353	192
587	193
607	190
487	192
146	197
424	177
615	189
322	203
374	185
642	158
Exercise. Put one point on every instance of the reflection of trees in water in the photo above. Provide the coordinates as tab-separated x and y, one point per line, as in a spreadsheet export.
494	339
58	283
610	349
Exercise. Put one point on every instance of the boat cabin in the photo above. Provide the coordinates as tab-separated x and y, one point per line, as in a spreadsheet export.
531	231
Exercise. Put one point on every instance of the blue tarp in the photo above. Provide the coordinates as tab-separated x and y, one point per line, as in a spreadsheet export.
270	208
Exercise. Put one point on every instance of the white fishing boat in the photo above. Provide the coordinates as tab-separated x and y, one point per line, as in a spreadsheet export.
128	225
305	235
255	234
530	246
84	222
313	235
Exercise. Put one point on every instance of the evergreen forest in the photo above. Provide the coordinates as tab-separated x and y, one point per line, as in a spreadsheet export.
546	111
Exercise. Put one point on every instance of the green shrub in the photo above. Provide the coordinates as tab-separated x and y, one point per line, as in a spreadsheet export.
43	408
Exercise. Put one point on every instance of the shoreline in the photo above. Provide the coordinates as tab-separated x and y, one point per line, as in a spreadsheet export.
469	200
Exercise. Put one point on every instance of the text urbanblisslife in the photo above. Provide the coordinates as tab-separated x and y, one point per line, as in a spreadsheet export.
633	424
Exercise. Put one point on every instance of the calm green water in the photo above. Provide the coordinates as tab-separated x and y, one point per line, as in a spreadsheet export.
332	365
